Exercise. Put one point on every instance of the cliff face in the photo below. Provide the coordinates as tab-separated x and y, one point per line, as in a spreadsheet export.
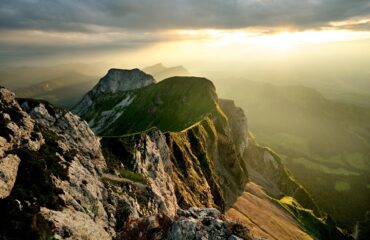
201	165
238	124
211	146
57	174
17	132
142	160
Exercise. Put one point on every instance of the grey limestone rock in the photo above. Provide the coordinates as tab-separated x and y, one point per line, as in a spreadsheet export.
116	80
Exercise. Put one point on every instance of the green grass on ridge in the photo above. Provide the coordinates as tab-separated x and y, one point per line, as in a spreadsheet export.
172	105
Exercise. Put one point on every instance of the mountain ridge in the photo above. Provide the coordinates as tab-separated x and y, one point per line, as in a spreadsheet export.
139	185
170	105
233	114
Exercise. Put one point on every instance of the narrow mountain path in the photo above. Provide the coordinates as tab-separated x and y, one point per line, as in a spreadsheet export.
116	178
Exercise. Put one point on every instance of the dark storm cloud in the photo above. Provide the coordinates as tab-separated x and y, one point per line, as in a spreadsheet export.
90	15
86	26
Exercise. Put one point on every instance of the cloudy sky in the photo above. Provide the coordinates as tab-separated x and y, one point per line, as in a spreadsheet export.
32	30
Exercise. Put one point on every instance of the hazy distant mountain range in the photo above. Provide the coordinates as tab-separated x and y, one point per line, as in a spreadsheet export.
62	84
160	72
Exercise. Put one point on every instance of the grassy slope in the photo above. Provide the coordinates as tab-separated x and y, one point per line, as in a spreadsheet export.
318	227
171	105
265	218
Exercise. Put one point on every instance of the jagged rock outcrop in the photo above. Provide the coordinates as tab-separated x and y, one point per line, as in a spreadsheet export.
119	80
78	152
116	80
58	191
63	185
55	163
145	160
194	223
16	131
201	224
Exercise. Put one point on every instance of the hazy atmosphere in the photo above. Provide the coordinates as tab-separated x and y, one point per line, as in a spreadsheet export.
298	70
306	41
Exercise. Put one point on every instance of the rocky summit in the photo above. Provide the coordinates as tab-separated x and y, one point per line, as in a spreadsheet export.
116	80
178	163
122	80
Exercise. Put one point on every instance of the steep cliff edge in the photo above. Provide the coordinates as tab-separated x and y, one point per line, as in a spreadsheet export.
205	168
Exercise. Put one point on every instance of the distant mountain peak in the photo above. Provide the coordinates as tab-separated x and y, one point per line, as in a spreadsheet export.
160	71
116	80
158	65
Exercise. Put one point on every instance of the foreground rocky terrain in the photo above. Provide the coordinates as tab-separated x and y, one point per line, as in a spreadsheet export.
59	180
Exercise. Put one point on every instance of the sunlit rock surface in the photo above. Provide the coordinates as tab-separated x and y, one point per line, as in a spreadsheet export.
16	132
